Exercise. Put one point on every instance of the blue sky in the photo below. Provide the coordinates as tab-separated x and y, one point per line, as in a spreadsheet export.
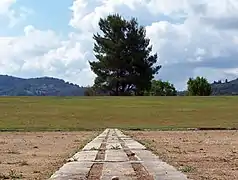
54	37
46	14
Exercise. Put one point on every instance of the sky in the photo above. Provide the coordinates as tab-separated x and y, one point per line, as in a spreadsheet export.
54	37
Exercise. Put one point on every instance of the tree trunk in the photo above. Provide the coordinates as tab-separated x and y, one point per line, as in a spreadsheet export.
117	84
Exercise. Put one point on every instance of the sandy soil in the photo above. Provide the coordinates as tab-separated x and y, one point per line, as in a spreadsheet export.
202	155
37	155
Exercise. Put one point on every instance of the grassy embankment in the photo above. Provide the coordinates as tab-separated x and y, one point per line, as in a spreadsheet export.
82	113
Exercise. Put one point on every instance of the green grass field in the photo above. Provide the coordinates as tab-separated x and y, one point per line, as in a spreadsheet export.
81	113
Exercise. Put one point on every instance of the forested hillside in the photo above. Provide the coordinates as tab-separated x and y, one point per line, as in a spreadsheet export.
45	86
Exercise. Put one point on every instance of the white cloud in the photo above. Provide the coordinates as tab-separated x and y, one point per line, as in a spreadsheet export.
5	5
41	53
196	47
86	14
191	37
13	16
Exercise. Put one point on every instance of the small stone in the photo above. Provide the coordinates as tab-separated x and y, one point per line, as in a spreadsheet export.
115	178
69	160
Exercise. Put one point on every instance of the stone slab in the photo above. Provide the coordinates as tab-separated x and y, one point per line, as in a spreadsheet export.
113	145
163	171
116	156
72	170
85	156
103	134
157	168
96	142
120	134
132	144
146	155
123	170
93	145
116	161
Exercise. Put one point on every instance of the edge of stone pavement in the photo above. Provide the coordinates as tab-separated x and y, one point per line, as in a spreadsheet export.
66	168
80	163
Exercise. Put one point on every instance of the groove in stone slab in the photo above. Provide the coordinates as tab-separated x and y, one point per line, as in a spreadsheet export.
95	143
95	171
102	149
121	171
140	170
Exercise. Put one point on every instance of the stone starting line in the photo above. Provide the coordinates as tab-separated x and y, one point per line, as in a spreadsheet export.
113	155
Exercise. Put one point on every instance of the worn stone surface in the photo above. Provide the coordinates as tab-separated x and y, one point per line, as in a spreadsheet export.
93	145
161	170
116	163
132	144
85	156
146	155
123	170
113	143
72	170
116	156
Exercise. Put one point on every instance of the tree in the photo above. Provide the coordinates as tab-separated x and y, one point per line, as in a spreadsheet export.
199	87
162	88
125	65
89	91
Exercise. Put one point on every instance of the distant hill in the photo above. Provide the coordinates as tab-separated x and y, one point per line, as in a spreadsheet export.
48	86
225	88
219	88
45	86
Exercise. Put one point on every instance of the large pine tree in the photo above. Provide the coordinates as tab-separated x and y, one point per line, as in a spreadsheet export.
125	65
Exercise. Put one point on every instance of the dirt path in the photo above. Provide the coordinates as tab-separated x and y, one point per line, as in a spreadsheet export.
113	154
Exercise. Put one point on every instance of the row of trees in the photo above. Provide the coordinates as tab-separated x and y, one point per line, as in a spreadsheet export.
195	87
158	88
125	64
162	88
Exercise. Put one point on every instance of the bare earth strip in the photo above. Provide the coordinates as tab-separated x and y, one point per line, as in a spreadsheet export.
113	154
36	155
202	155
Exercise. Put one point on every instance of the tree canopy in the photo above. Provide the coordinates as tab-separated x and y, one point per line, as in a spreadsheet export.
162	88
124	63
199	87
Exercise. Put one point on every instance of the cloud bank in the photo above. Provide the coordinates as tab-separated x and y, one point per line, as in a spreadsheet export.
191	38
